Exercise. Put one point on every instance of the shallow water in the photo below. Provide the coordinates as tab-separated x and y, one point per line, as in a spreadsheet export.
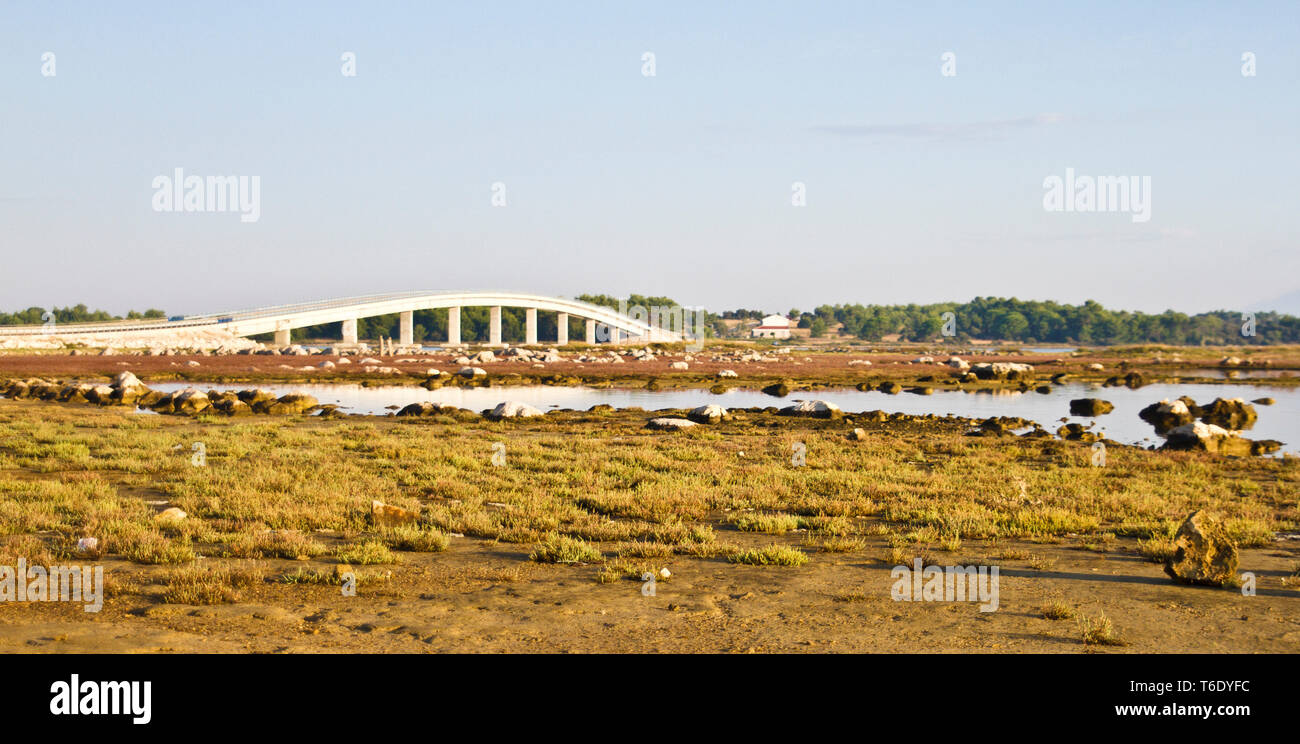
1280	421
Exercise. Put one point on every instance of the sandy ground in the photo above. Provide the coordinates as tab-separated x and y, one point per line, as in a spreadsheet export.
486	597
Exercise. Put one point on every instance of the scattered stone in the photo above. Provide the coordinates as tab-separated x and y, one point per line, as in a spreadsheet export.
472	372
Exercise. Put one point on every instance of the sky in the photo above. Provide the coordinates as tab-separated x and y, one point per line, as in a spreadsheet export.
918	186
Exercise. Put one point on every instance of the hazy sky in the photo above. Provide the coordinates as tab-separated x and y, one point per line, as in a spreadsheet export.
920	187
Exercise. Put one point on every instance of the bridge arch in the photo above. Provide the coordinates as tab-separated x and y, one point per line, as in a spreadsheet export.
281	319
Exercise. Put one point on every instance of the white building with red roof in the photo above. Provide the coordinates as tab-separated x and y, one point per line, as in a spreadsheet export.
773	326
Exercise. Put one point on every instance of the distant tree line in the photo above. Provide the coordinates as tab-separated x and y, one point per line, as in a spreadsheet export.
1036	322
74	314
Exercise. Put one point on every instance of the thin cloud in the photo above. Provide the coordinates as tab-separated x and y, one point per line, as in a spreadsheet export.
963	131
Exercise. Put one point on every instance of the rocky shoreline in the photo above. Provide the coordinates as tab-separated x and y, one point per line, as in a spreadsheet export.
1214	428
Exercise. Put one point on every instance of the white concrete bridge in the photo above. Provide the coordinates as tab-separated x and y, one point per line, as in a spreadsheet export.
281	319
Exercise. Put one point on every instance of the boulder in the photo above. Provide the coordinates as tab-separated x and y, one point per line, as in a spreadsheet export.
1002	370
231	405
419	409
1077	433
126	380
288	405
1090	407
1203	437
679	366
1168	414
727	373
779	389
387	515
1231	413
1204	553
892	388
708	414
170	515
258	399
1095	367
958	363
190	401
75	392
669	424
513	409
472	372
814	409
858	435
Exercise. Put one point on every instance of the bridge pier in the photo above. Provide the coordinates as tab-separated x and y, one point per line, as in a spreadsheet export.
530	326
562	329
282	337
350	331
453	326
406	328
494	325
591	331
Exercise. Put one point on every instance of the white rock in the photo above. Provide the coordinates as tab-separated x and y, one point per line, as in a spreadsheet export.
670	423
126	380
514	409
708	414
815	408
